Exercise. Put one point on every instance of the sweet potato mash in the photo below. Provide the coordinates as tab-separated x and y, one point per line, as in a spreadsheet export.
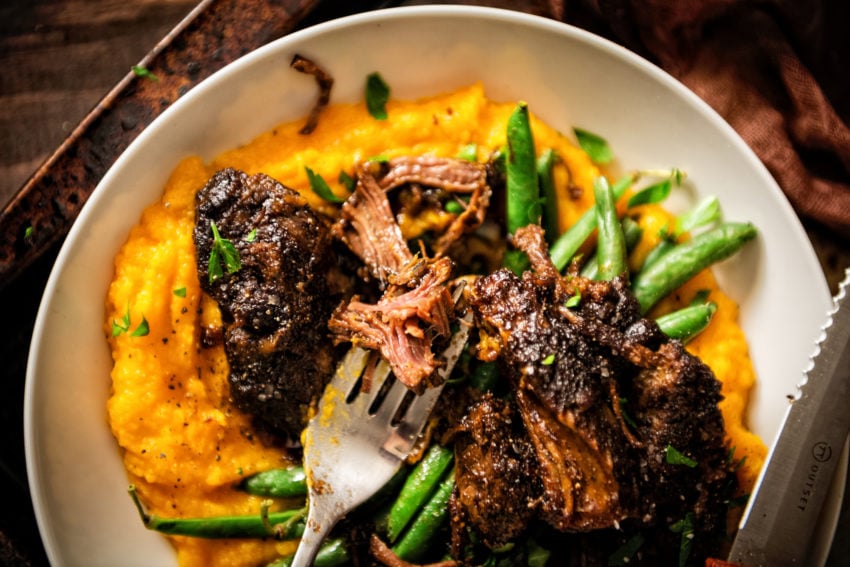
184	446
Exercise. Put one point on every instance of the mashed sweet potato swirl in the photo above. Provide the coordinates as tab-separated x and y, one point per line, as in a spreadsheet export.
184	446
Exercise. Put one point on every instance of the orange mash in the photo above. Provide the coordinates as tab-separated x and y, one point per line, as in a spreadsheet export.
184	446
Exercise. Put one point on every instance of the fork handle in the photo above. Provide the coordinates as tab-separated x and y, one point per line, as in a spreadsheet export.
317	529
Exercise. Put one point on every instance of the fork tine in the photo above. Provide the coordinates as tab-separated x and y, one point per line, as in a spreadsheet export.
389	405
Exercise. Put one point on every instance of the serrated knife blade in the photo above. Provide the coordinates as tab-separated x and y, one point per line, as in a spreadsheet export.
782	513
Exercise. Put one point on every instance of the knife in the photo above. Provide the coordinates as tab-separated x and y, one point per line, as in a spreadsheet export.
781	516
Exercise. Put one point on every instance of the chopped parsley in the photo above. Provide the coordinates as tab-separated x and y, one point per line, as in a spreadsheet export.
142	330
222	251
676	457
347	181
685	526
655	193
320	187
377	95
549	360
144	73
252	236
123	326
623	555
573	301
454	207
28	232
595	146
180	291
469	152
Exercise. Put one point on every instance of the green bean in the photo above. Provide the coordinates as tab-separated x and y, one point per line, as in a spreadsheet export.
332	553
259	525
566	246
631	232
417	539
277	483
687	322
545	165
522	189
418	488
611	245
702	214
687	259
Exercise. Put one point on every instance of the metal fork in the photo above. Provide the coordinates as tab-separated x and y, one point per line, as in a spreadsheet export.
358	440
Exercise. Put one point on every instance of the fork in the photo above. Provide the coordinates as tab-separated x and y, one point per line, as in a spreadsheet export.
358	440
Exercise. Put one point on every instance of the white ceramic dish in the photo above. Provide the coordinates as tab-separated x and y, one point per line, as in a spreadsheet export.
569	77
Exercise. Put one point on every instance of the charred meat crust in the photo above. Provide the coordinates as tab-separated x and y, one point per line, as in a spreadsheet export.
495	472
275	308
577	373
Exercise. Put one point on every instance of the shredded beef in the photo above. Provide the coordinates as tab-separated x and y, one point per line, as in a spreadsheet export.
415	306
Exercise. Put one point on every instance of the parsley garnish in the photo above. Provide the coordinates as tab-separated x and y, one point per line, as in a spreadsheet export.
596	147
685	526
377	95
28	232
549	360
676	457
347	181
252	236
144	73
320	187
655	193
453	207
142	330
380	158
180	291
222	250
573	301
123	326
469	152
625	552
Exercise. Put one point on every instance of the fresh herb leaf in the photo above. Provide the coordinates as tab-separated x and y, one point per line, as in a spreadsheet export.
655	193
180	292
626	417
142	330
252	236
573	301
28	232
347	181
144	73
595	146
685	526
704	213
454	207
469	152
676	457
625	552
549	360
380	158
222	251
321	188
124	325
377	95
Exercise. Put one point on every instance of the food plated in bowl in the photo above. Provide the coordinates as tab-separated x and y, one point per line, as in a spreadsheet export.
569	78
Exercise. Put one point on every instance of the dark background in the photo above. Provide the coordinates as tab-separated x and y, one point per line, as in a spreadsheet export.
58	59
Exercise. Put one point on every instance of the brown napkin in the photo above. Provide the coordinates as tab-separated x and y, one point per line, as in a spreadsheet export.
742	58
776	70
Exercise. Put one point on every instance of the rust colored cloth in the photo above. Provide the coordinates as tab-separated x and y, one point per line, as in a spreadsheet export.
776	70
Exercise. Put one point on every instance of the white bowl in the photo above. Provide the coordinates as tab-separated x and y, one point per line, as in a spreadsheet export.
568	76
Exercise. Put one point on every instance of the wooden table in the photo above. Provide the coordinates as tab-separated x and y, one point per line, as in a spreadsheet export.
59	57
